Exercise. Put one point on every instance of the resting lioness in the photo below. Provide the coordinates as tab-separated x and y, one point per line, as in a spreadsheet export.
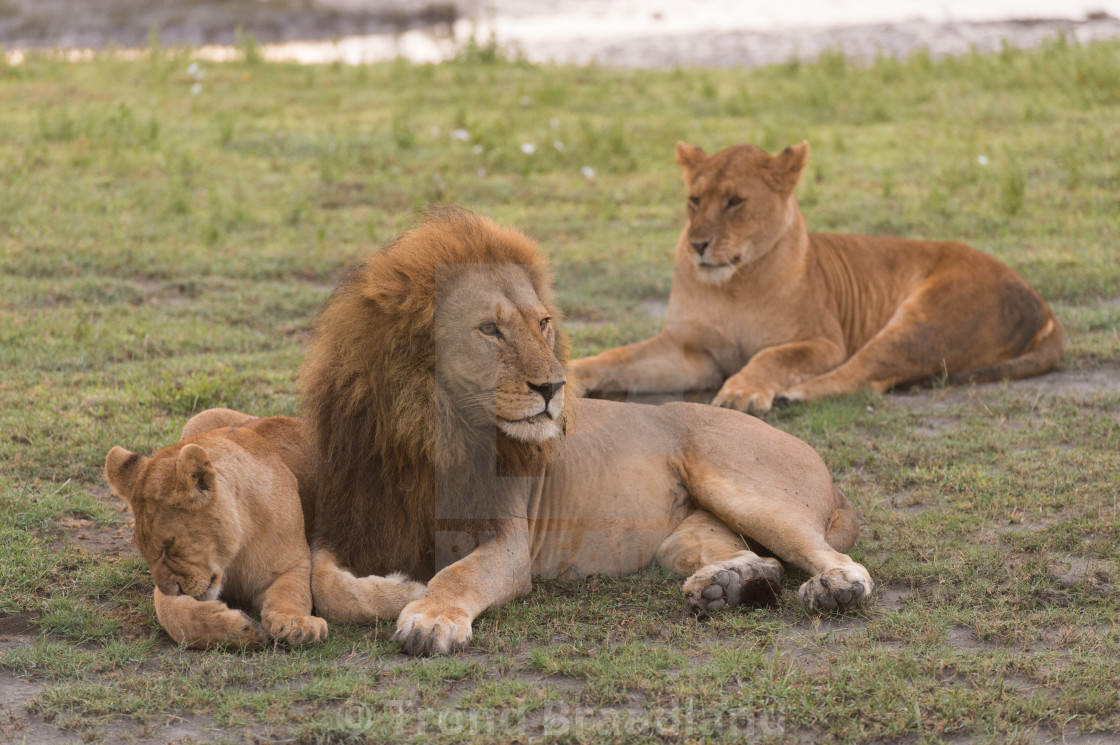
218	515
766	309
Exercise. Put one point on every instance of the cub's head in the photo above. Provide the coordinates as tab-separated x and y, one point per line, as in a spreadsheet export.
740	202
499	352
180	529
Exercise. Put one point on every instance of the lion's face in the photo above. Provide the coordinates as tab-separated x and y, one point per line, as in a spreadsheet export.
179	529
740	202
496	353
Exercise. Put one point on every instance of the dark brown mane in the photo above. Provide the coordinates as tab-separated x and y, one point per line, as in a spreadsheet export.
394	462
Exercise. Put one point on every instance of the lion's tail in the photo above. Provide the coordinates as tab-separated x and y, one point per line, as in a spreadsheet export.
1050	342
843	526
213	419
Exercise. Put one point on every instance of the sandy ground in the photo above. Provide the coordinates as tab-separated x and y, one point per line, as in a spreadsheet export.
626	33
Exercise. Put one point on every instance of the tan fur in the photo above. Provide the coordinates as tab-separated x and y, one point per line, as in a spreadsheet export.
770	311
420	362
218	517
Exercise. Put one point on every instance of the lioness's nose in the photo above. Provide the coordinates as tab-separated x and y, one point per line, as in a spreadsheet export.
699	246
547	390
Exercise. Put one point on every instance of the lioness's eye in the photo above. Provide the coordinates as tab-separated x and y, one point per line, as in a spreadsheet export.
694	201
544	324
490	329
734	202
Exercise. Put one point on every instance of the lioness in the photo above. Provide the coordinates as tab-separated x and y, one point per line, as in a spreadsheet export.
218	515
769	310
446	440
224	514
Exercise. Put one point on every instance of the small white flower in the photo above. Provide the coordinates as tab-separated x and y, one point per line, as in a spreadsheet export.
196	89
434	131
524	100
554	123
528	148
477	149
460	134
481	172
982	159
193	68
588	173
558	145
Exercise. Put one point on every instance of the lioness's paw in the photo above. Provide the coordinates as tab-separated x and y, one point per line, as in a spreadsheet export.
214	624
295	629
735	395
747	580
429	627
836	589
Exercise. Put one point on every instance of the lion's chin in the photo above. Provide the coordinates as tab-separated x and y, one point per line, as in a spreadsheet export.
539	428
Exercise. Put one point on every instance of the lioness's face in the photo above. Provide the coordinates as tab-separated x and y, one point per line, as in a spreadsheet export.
740	202
496	353
186	544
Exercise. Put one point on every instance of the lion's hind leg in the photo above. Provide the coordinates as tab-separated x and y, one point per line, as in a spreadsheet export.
803	531
723	570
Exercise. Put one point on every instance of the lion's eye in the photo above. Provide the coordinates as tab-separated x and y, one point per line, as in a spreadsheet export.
490	329
544	325
734	202
694	201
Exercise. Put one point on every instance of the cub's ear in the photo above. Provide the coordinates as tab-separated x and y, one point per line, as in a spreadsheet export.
121	469
195	477
785	168
689	157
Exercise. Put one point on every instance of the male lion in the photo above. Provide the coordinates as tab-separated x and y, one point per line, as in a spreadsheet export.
448	442
769	310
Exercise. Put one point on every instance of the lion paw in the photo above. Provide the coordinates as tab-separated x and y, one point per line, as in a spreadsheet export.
292	629
214	624
748	580
424	628
734	395
836	589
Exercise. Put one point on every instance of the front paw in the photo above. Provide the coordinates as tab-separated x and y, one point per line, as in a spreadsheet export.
294	629
428	626
735	394
213	624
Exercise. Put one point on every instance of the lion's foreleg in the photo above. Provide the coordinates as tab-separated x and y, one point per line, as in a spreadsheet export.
774	369
340	596
494	573
655	365
202	624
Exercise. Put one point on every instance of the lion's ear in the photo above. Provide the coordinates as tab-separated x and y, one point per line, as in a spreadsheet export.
195	477
689	158
121	469
786	167
388	289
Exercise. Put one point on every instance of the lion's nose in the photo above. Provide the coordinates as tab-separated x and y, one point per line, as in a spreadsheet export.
547	390
699	246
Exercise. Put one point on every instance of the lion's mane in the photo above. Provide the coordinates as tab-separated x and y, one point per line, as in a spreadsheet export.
385	440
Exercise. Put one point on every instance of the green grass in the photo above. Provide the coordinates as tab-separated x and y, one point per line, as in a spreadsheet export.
163	252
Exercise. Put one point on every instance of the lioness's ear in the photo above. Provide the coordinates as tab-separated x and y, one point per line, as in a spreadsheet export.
195	478
121	469
785	168
689	157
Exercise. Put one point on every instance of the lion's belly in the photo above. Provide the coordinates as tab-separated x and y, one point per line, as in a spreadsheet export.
613	496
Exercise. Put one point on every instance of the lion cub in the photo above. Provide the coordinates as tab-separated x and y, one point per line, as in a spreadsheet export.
218	515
